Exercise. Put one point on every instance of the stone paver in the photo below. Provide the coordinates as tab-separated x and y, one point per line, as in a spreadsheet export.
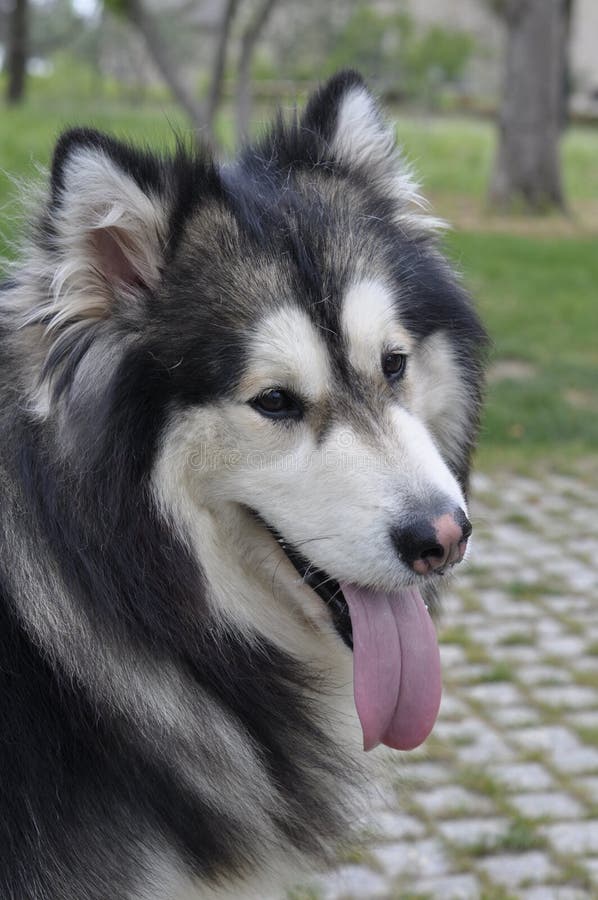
450	887
573	837
474	832
515	870
555	892
525	776
503	798
351	881
556	805
419	859
443	801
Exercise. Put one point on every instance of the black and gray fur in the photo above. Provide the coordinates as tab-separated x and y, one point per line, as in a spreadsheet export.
146	750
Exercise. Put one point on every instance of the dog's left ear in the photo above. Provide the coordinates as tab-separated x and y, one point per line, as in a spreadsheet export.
346	116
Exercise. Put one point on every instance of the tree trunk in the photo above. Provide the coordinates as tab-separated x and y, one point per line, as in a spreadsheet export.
567	74
215	93
527	168
16	61
144	22
249	41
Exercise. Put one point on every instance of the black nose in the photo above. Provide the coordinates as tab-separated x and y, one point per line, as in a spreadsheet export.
427	545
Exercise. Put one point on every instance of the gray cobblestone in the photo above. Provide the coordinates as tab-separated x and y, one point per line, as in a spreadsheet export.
587	664
578	837
420	773
420	859
451	655
546	737
452	708
499	694
397	826
554	892
446	801
453	887
544	675
514	716
591	864
523	776
552	806
502	800
517	869
520	654
589	787
486	749
570	696
588	718
471	832
351	881
565	646
583	759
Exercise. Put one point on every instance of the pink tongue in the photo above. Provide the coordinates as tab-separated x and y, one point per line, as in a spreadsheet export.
396	666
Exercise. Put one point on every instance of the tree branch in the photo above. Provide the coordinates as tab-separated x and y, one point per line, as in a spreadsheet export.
136	13
215	92
249	41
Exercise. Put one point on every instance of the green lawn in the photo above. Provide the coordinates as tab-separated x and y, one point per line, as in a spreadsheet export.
539	300
455	154
536	288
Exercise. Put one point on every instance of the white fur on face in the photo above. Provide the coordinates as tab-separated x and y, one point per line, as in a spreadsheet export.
286	350
341	500
337	501
370	326
206	454
336	495
439	394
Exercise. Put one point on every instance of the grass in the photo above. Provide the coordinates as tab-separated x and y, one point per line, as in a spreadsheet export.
478	780
574	874
536	290
475	653
500	671
588	735
520	837
497	892
537	297
523	590
302	893
586	679
516	639
454	156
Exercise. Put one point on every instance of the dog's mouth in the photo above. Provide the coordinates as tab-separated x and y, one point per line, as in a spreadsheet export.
396	660
326	587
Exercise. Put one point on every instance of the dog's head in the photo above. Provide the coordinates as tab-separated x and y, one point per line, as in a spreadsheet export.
292	362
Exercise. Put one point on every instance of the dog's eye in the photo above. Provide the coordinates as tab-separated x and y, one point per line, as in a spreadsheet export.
394	364
277	404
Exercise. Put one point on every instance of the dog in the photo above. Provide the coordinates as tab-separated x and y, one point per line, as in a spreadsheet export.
238	406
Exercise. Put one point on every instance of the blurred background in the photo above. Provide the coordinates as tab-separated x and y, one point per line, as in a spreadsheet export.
496	104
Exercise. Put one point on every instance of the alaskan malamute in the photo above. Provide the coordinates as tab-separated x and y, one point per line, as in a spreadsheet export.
238	404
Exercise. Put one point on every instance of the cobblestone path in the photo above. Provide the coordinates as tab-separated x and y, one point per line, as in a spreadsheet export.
502	801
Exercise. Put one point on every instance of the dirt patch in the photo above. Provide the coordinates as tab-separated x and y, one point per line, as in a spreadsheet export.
511	370
581	399
472	214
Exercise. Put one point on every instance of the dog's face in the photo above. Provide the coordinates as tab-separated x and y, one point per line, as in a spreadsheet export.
303	362
328	436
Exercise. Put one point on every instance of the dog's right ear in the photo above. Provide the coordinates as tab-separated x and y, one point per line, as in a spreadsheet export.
346	115
105	227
